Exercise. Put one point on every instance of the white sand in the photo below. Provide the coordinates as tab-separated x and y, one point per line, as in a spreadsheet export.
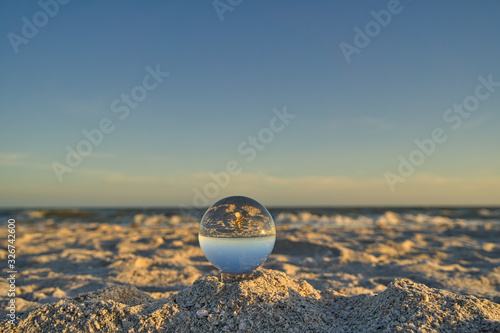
59	263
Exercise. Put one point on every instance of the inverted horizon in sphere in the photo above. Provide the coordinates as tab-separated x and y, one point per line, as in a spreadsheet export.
237	255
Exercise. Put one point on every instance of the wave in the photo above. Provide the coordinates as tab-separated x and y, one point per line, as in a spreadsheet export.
331	217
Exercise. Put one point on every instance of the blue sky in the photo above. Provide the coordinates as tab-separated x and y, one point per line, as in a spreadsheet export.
352	120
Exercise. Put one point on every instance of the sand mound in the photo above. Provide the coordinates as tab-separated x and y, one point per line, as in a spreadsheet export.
265	301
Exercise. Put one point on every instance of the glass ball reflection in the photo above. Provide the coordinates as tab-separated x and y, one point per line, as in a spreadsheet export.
237	234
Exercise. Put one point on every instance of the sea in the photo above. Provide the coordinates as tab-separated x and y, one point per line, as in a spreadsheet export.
291	216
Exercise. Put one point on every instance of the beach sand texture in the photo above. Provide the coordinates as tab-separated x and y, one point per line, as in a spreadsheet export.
128	278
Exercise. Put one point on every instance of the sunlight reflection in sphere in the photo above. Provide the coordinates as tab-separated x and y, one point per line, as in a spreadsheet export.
237	234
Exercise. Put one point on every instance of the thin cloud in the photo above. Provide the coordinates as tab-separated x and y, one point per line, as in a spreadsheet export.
12	159
375	123
78	107
365	123
102	155
477	121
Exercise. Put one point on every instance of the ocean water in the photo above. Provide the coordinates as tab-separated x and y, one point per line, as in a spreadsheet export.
294	216
237	255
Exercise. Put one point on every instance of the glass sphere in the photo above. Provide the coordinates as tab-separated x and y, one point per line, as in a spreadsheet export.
237	234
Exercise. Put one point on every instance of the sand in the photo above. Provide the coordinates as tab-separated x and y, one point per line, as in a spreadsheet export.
132	278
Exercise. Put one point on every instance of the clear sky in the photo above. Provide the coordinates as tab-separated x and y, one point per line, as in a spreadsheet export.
305	103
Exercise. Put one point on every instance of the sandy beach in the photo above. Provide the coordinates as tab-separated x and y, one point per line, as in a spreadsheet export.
108	277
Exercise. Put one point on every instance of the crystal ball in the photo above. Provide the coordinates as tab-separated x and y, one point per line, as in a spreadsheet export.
237	234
